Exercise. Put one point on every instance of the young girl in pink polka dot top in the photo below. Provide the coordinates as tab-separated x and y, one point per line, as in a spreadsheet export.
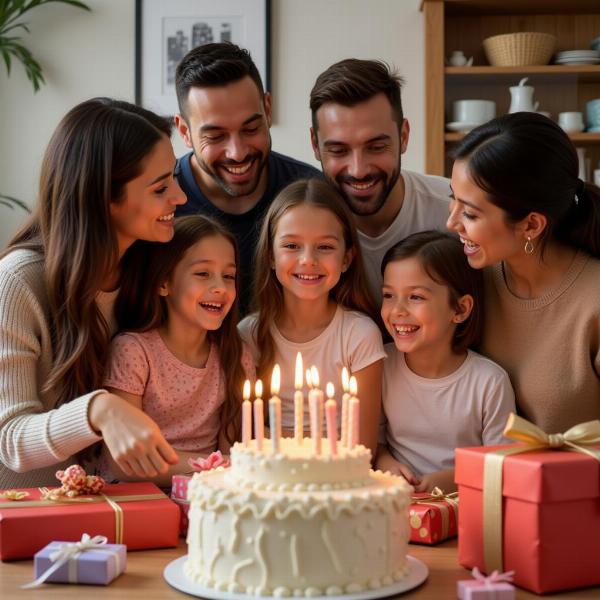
181	359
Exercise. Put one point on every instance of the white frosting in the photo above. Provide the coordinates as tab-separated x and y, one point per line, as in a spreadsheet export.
248	536
295	468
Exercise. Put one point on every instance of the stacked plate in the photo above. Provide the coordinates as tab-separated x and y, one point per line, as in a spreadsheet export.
578	57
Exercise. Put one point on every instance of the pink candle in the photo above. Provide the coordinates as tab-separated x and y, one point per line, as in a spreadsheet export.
259	423
298	401
331	419
246	415
315	399
345	402
275	410
353	415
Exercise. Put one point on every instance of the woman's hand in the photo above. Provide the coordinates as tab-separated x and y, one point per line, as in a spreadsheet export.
132	437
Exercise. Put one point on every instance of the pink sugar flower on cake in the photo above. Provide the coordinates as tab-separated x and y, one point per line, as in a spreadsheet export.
212	461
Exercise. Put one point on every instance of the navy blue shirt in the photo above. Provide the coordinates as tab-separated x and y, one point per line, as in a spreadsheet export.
282	170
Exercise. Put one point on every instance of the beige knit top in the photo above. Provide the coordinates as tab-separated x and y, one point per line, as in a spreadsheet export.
550	346
36	438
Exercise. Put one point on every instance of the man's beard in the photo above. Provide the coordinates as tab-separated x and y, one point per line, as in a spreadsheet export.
365	207
235	190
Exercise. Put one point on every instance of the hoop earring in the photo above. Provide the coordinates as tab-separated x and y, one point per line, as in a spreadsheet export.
529	247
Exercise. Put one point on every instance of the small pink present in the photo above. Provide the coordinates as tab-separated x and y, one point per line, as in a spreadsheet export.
179	484
496	586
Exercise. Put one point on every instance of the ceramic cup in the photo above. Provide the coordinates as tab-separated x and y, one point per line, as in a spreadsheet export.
597	177
593	113
571	122
473	111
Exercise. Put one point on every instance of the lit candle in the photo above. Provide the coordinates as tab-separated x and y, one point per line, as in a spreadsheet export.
353	414
345	401
275	409
331	419
259	423
246	415
298	401
315	398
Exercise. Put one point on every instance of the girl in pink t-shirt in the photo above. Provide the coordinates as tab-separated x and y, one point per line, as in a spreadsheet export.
181	359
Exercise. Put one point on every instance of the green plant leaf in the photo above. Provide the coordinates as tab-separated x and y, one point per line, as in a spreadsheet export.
10	11
11	201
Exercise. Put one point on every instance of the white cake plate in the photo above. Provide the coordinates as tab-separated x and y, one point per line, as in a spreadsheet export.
175	577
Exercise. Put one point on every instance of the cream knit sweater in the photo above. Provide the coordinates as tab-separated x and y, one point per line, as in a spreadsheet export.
36	438
550	346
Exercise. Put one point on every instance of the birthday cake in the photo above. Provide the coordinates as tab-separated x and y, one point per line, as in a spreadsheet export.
296	522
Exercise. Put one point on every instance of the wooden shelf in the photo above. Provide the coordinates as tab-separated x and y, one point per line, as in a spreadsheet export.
463	25
576	138
559	70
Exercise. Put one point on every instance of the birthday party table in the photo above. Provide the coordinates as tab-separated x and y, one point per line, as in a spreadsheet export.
143	579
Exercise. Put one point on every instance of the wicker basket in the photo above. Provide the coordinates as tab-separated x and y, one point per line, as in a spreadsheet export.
519	49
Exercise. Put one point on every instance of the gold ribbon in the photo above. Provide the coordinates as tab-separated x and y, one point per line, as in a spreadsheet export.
437	498
112	501
576	439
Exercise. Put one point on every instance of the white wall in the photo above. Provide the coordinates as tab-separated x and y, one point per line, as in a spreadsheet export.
87	54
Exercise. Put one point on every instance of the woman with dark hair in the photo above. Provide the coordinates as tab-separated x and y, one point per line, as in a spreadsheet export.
521	210
106	182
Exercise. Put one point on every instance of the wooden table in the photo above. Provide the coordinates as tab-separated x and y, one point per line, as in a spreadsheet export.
144	579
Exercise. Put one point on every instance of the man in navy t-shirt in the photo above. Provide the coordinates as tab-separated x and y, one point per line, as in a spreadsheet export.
231	173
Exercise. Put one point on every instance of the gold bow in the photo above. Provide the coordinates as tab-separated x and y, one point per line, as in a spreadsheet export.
436	499
577	439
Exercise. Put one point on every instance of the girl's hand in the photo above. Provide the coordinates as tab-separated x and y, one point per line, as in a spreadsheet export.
441	479
386	462
132	437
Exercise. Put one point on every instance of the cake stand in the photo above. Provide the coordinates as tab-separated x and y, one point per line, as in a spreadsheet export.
175	577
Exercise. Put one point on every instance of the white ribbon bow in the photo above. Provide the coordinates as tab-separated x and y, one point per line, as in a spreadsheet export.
68	551
494	577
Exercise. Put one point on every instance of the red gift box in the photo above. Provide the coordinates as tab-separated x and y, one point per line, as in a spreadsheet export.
548	530
433	517
179	496
138	515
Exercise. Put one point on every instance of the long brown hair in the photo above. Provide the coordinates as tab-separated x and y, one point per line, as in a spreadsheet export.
351	291
139	306
96	149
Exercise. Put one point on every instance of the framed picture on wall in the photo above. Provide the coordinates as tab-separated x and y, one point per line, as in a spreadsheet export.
166	31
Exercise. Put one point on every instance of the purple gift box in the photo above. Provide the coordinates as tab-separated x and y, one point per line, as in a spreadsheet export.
99	565
494	587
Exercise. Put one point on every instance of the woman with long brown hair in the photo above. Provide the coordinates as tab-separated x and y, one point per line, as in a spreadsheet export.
312	297
106	182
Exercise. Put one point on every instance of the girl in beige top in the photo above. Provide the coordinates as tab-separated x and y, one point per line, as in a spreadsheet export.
521	210
106	182
312	297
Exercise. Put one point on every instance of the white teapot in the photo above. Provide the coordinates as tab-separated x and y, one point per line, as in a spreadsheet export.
521	98
458	59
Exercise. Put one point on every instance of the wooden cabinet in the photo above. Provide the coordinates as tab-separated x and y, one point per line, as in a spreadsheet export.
464	24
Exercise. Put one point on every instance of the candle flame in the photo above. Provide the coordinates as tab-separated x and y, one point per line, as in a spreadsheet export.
345	379
308	378
258	388
275	380
353	386
299	372
246	392
314	375
330	390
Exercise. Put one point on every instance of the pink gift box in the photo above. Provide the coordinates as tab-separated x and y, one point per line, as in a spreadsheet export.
179	485
471	589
